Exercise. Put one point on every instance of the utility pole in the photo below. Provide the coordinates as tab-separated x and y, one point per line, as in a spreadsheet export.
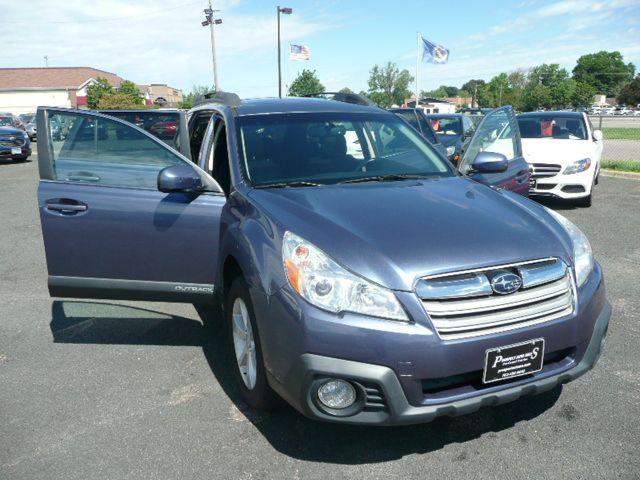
46	61
418	70
210	21
285	11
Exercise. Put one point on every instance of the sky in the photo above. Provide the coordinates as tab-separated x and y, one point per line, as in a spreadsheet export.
162	41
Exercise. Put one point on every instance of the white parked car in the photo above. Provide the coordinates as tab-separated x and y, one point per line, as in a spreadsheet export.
564	151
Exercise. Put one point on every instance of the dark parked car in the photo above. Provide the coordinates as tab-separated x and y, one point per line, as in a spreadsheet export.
14	142
169	125
374	287
417	119
29	122
453	130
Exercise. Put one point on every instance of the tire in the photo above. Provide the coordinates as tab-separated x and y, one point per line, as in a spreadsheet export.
256	392
20	159
585	202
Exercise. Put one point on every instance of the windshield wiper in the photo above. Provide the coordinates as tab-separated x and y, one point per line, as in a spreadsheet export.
388	178
289	184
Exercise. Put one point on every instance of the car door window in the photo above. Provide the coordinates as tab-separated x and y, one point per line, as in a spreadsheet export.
496	134
103	151
410	117
427	131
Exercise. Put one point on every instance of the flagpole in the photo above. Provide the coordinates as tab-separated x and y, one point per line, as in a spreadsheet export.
417	68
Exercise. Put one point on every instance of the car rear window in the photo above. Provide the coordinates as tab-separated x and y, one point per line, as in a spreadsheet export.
163	125
446	125
549	126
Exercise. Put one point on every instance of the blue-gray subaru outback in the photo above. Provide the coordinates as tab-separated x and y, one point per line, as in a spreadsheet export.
363	279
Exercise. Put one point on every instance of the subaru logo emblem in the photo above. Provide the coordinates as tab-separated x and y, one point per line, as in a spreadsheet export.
504	282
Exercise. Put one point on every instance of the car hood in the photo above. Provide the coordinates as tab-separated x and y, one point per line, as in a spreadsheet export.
555	151
10	131
395	232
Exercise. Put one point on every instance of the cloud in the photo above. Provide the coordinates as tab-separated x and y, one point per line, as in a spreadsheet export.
148	43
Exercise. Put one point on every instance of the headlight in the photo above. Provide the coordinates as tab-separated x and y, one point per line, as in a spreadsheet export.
450	151
578	166
582	253
327	285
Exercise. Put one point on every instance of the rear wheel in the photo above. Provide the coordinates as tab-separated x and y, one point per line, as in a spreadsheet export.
245	347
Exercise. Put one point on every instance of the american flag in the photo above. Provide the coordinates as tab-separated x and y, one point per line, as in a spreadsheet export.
299	52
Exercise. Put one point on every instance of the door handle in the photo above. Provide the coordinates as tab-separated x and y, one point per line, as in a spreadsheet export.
66	207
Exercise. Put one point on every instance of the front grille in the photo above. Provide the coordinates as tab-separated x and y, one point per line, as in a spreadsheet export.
543	170
12	141
464	305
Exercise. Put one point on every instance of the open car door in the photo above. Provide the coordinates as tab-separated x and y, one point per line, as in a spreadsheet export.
498	133
108	231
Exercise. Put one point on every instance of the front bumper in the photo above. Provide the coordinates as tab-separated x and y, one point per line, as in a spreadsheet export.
398	410
5	153
577	185
408	362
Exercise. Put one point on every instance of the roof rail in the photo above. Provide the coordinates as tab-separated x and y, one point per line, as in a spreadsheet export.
345	97
226	98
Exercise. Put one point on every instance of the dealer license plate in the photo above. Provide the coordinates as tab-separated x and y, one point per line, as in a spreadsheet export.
512	361
16	151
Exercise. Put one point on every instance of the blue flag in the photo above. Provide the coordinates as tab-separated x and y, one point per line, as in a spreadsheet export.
434	53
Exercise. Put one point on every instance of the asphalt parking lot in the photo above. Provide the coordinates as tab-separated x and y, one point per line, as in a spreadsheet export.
125	390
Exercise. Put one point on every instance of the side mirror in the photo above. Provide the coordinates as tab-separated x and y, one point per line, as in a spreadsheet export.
179	178
489	162
597	135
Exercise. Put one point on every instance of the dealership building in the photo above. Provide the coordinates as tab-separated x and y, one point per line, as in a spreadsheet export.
22	90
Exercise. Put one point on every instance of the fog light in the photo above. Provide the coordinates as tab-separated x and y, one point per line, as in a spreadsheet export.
337	394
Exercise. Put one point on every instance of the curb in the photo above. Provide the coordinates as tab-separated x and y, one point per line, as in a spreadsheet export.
616	173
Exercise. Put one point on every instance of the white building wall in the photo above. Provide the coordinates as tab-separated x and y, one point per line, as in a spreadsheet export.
27	101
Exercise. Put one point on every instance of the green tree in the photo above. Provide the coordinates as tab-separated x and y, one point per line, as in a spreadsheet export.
345	90
548	74
518	79
439	92
563	93
536	96
306	83
97	90
583	94
196	91
630	93
131	89
472	86
118	101
388	85
605	71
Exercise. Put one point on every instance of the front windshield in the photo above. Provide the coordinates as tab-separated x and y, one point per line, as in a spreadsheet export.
26	118
5	121
549	126
328	148
446	126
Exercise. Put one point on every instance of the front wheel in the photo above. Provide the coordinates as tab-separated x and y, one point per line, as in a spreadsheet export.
245	344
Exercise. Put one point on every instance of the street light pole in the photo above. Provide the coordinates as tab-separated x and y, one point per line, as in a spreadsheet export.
286	11
209	20
213	53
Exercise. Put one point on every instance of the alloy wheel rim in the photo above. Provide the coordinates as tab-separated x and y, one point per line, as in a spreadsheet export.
244	343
